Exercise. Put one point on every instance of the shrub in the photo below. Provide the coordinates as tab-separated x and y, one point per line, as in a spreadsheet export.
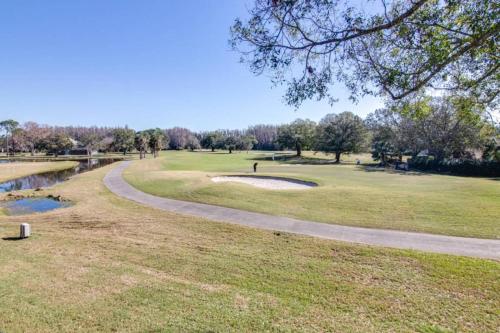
464	167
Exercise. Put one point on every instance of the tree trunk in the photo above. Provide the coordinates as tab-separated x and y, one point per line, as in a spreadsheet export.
230	151
213	149
337	157
298	146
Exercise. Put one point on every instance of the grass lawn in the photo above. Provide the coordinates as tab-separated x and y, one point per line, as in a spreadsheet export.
10	171
107	264
348	194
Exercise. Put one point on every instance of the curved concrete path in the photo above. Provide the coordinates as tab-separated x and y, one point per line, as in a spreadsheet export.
474	247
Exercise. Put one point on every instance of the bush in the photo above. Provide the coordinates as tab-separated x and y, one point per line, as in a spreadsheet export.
464	167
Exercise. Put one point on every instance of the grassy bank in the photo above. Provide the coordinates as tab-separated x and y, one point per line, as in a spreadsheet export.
349	194
10	171
107	264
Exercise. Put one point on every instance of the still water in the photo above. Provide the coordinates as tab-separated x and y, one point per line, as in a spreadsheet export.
31	205
51	178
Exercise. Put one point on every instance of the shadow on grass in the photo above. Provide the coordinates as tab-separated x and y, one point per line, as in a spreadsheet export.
12	238
389	170
217	152
294	159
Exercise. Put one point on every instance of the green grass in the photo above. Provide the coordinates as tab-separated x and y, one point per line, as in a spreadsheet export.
108	264
348	194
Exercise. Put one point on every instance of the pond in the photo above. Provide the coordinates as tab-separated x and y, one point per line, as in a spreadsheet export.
51	178
31	205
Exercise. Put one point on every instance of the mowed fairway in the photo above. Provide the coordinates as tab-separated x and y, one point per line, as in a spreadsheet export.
348	194
108	264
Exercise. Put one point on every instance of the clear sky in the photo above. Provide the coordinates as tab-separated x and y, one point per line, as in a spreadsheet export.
154	63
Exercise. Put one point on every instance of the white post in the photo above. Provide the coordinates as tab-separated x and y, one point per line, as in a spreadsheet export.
25	230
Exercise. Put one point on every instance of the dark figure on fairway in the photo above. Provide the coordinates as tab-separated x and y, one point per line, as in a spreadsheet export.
255	167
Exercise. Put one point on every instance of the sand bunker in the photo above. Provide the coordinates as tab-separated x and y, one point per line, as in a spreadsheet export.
270	183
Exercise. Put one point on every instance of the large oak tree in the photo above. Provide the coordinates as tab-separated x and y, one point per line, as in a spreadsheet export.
392	48
340	133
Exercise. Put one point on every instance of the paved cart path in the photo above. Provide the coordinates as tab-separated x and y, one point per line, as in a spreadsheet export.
474	247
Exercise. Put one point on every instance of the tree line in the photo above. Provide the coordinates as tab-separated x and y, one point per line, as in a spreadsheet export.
34	138
437	128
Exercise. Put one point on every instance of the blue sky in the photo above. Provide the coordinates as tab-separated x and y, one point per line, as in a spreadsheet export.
154	63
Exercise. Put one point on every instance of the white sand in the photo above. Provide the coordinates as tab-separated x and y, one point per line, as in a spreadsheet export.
267	183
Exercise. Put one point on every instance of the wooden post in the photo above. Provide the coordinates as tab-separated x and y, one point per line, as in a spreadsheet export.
25	231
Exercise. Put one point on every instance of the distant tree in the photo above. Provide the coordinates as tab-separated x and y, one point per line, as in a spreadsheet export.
80	132
231	143
297	135
123	139
211	140
265	135
18	141
90	140
8	126
393	135
106	143
444	127
450	128
340	133
141	143
247	142
193	143
57	142
157	141
34	135
178	137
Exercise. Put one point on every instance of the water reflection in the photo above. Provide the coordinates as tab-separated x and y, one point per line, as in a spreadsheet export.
51	178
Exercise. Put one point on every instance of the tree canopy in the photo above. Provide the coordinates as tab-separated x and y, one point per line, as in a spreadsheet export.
340	133
211	140
124	139
57	142
297	135
141	143
8	126
158	140
393	48
445	131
